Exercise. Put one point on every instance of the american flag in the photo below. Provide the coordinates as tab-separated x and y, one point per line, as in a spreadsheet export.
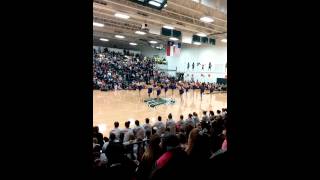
173	49
177	49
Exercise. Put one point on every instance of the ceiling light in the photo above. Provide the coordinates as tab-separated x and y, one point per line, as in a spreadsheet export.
140	32
154	3
123	16
103	39
153	42
206	19
224	40
133	44
197	43
201	34
98	24
119	36
168	27
173	38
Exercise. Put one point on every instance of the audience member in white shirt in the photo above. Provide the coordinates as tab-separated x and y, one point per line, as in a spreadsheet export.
181	124
138	131
224	112
171	124
147	126
126	131
196	120
160	127
116	130
205	118
189	121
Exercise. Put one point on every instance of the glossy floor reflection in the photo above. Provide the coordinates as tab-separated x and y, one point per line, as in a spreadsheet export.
126	105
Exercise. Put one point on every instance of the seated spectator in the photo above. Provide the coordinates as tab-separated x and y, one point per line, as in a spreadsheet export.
152	153
148	135
98	135
105	139
173	163
182	140
114	151
105	145
198	147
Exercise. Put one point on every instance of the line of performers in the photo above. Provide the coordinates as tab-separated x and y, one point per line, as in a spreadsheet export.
183	87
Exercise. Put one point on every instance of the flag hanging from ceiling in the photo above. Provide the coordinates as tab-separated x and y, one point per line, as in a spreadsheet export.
173	49
170	48
177	49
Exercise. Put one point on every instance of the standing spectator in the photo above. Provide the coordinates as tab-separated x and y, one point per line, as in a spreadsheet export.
159	126
196	120
126	131
211	116
147	126
180	124
189	121
116	130
205	118
138	131
171	124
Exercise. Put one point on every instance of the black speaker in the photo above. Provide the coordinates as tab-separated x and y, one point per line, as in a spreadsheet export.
196	38
204	40
212	41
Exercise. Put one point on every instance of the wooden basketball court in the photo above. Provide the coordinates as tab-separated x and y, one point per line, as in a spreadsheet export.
123	105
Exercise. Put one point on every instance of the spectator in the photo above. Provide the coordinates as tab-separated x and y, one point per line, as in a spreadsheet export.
195	119
127	131
159	126
182	140
180	124
114	151
198	146
205	118
171	124
116	130
218	116
152	153
189	121
224	112
173	163
211	116
138	131
147	126
98	135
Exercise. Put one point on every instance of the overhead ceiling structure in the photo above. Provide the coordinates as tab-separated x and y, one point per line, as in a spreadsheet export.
125	18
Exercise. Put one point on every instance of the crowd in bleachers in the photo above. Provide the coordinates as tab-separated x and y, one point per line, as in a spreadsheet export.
114	70
174	148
